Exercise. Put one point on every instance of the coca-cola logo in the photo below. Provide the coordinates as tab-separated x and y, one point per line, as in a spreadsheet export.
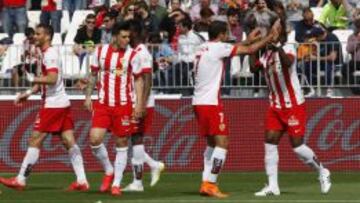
335	132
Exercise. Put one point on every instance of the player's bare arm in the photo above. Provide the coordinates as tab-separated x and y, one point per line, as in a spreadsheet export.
147	85
140	103
49	79
252	60
92	80
23	96
274	33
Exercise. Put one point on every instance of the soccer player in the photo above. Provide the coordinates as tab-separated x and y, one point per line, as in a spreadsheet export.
54	116
286	112
207	105
113	110
141	63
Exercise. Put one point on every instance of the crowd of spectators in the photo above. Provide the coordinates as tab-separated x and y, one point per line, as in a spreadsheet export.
179	26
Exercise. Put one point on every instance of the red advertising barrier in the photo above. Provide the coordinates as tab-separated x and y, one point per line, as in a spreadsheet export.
333	131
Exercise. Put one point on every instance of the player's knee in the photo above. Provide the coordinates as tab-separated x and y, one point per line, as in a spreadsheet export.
222	141
296	142
136	139
95	141
122	142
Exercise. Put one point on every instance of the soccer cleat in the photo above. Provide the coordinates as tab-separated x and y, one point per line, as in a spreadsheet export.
75	186
106	183
325	182
115	191
211	190
156	172
267	191
132	187
12	183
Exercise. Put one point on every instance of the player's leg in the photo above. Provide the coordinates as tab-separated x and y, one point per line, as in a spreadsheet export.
77	162
217	142
137	162
273	134
207	157
307	155
119	164
31	157
101	121
100	152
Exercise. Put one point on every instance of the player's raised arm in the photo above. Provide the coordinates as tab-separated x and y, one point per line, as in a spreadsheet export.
254	47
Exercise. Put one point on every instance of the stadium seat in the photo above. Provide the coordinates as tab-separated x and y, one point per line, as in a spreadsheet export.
57	39
3	35
34	18
317	12
12	58
77	19
19	38
65	21
291	37
343	36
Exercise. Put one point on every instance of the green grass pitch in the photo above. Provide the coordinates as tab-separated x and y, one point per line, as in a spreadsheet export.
183	187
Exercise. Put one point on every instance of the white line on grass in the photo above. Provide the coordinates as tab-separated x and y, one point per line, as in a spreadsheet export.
196	201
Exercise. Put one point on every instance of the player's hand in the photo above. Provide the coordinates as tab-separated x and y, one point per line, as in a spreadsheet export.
254	35
138	113
30	77
81	84
21	98
276	29
88	104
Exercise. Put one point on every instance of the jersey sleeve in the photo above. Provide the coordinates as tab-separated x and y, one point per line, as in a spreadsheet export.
94	62
51	61
225	50
142	63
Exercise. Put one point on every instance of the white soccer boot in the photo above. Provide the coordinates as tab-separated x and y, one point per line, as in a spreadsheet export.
156	172
267	191
133	187
325	182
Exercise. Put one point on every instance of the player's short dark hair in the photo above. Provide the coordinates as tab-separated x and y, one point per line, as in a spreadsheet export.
47	28
111	14
29	31
135	26
122	26
216	28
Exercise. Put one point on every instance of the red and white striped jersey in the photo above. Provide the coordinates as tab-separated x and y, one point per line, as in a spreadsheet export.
115	87
283	83
209	70
142	62
54	96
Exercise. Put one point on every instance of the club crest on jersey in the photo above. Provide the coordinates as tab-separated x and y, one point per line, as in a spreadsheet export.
222	126
125	121
119	71
293	121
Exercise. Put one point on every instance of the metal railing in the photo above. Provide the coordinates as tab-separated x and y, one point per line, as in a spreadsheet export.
172	75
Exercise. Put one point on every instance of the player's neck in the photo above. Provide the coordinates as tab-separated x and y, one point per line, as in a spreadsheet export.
45	46
117	47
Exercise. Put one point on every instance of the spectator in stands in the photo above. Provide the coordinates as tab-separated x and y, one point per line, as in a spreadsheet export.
150	22
202	25
330	57
14	16
352	8
176	4
159	11
73	5
29	59
235	29
316	3
128	12
51	13
109	22
262	15
4	45
294	10
353	48
87	37
181	74
195	11
334	16
305	25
